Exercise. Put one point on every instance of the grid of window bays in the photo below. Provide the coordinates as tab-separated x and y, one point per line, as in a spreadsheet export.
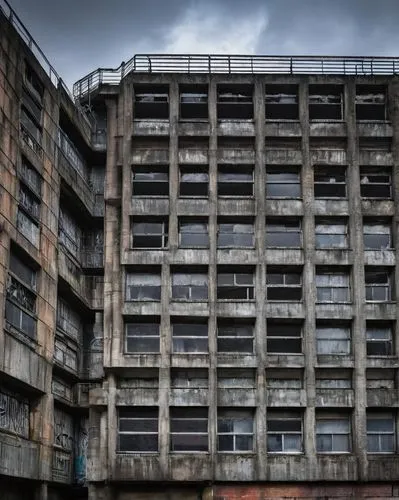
138	430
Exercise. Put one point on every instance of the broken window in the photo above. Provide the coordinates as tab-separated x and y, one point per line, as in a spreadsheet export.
20	311
237	234
291	378
371	102
188	429
137	429
33	83
235	285
325	102
193	102
151	102
30	126
332	287
283	182
381	432
331	233
377	234
29	202
33	106
28	227
30	177
234	102
375	183
150	181
189	336
384	378
235	336
14	413
71	153
236	378
235	430
194	182
193	233
142	336
379	286
65	353
333	378
191	378
149	233
284	337
333	433
281	102
235	181
333	338
189	286
69	233
68	320
283	285
141	286
283	233
379	339
329	182
284	432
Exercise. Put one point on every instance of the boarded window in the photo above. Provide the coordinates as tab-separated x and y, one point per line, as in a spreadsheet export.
138	429
149	233
189	336
193	286
235	430
235	181
283	233
284	432
331	233
194	233
332	287
329	182
235	286
333	339
283	182
150	181
379	339
141	286
283	285
333	433
284	337
142	337
188	429
235	336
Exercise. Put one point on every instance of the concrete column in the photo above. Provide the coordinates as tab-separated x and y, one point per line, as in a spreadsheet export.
359	437
308	283
212	295
41	492
112	425
260	282
173	164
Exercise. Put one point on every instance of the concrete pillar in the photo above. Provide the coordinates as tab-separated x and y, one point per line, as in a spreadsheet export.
308	281
173	164
359	437
260	289
41	492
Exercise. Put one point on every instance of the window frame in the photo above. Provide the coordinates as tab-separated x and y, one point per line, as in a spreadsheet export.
285	285
348	339
183	223
283	170
279	416
380	434
224	170
375	287
331	233
130	282
334	418
293	226
173	420
286	338
385	230
369	174
145	419
334	172
333	288
233	416
230	338
372	338
163	234
250	231
142	338
150	170
250	289
190	286
188	337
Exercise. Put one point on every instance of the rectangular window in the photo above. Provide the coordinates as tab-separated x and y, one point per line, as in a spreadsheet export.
283	286
66	354
234	102
331	233
28	227
235	430
235	181
333	339
193	286
370	102
283	233
68	320
333	433
325	102
375	183
14	414
235	234
69	233
189	337
379	339
235	336
29	202
332	287
188	429
72	154
150	233
378	286
194	182
193	233
377	234
281	102
138	429
30	126
380	432
30	176
329	182
193	102
142	337
33	83
151	102
284	337
140	286
235	286
283	182
150	181
284	432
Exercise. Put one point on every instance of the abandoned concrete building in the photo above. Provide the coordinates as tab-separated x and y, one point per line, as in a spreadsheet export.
197	277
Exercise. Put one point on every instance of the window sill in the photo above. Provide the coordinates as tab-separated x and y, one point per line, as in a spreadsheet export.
189	300
380	301
333	302
283	248
335	453
292	453
282	198
249	301
282	120
154	454
135	249
237	453
236	248
21	336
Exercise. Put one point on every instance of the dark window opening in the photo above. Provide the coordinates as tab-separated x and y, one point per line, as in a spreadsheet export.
375	183
30	177
193	102
237	234
284	337
235	336
235	181
235	102
188	429
284	432
189	335
149	233
283	233
138	429
283	285
379	285
235	285
194	182
33	83
325	102
377	234
281	102
379	338
150	181
329	182
193	233
151	102
371	102
189	285
235	429
283	182
143	286
32	106
31	126
142	336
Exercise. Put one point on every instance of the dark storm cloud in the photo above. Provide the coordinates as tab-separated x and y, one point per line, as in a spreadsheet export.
80	35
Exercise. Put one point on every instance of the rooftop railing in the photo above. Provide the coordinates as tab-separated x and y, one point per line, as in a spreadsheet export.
292	65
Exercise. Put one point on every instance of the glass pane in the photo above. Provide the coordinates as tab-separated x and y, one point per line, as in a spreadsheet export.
226	443
244	443
274	443
292	442
341	443
189	442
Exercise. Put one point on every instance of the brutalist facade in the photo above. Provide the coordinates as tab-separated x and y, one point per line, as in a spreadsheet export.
198	277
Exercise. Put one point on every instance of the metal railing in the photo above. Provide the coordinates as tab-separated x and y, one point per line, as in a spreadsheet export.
293	65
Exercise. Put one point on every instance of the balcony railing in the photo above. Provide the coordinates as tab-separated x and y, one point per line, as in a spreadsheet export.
292	65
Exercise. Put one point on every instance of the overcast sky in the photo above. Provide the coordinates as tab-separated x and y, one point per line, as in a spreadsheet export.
81	35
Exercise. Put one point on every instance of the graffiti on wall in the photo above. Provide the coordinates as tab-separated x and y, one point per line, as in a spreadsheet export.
14	414
81	452
63	443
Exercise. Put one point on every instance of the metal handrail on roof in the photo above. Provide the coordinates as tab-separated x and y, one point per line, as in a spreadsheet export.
244	64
